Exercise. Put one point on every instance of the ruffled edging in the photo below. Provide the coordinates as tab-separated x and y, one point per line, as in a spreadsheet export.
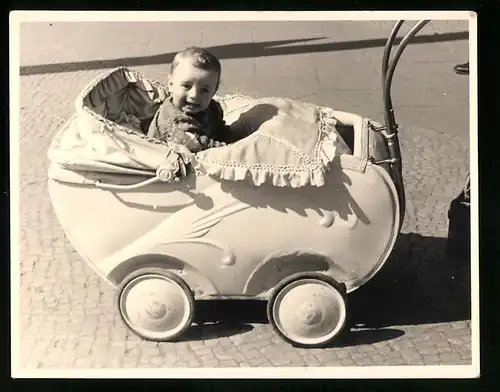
282	178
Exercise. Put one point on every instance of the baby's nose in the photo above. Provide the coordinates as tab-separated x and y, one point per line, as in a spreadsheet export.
193	93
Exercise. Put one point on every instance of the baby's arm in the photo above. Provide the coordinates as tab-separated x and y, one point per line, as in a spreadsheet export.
224	132
175	128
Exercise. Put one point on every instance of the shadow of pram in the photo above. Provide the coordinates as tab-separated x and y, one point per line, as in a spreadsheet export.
419	284
302	202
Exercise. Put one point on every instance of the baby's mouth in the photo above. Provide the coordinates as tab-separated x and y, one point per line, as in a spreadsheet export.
191	105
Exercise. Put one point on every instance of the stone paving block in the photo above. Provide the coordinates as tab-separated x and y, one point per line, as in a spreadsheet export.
449	358
348	362
356	356
195	362
203	351
223	355
32	364
431	359
82	362
171	359
130	362
207	357
377	359
460	325
395	362
379	345
189	356
143	362
228	363
429	351
436	337
211	343
385	352
401	345
150	350
411	354
366	349
310	360
366	361
442	350
214	362
156	361
197	345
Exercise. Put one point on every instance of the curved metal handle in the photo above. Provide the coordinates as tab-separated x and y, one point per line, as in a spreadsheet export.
388	48
390	122
163	174
103	185
389	73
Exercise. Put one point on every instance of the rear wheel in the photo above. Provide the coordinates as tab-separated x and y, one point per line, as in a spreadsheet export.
308	310
156	304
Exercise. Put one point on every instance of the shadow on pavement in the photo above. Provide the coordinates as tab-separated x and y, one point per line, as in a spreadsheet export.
365	336
239	50
419	284
215	331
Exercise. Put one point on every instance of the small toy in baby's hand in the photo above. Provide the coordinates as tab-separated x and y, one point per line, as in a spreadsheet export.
207	142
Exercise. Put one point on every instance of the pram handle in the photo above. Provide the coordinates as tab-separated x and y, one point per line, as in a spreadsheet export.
388	68
163	174
103	185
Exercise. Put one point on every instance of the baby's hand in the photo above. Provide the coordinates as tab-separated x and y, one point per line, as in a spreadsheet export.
192	142
210	143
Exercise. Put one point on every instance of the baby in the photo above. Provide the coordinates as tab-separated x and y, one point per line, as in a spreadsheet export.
189	116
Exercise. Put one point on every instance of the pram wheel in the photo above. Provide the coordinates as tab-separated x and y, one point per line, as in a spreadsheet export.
156	304
308	310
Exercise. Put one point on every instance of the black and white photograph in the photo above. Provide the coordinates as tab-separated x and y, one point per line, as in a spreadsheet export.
244	194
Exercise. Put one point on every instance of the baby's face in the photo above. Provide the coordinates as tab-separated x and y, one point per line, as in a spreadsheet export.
192	88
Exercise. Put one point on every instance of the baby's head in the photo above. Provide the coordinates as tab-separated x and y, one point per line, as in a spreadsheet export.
194	79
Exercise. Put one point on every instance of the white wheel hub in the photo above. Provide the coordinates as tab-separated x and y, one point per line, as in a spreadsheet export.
155	306
309	311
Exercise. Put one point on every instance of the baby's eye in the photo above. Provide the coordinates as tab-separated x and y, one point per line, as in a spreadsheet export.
186	86
204	90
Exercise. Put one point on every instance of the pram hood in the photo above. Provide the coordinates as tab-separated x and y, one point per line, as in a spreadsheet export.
290	143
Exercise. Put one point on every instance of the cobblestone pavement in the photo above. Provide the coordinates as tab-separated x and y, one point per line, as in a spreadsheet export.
416	311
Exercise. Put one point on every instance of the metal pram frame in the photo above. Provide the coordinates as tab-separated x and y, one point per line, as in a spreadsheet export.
391	127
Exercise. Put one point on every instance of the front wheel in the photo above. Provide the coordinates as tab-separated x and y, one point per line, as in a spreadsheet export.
308	310
156	304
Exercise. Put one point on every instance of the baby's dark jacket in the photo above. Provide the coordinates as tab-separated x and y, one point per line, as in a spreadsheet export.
170	124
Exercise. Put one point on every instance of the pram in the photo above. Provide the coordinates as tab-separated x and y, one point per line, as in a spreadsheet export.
299	213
